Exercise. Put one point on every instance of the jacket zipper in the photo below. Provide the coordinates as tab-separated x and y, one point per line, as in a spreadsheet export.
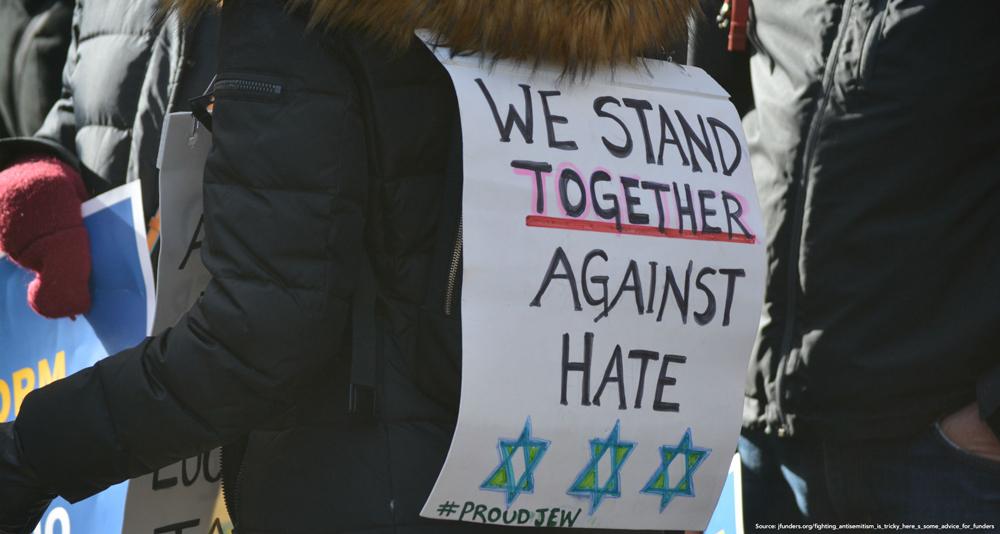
230	492
794	244
248	87
456	257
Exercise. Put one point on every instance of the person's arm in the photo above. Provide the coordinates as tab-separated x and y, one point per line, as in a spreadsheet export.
285	190
36	61
976	427
42	184
988	396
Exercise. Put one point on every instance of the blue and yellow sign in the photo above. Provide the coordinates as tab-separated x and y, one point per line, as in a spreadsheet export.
35	351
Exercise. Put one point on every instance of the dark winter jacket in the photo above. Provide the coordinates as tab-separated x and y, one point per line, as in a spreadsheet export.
34	36
334	149
876	149
125	69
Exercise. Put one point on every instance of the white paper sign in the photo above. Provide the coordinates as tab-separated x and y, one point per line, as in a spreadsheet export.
180	275
178	499
613	283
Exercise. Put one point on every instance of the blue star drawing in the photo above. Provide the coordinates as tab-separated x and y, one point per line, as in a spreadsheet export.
659	483
588	482
503	478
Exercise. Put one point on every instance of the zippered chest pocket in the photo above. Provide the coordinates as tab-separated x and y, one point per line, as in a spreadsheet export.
249	87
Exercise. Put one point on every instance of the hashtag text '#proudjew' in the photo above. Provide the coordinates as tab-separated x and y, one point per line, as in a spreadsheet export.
481	513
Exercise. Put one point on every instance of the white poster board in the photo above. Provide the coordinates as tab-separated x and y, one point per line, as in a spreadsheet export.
180	275
612	286
181	498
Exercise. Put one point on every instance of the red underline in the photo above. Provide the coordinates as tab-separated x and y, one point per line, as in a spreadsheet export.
542	221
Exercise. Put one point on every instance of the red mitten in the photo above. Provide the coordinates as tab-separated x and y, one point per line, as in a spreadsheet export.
41	229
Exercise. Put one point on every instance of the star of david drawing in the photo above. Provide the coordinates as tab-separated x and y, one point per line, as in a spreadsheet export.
659	483
503	478
588	482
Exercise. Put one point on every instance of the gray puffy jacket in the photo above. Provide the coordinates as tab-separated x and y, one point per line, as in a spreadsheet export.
126	68
875	148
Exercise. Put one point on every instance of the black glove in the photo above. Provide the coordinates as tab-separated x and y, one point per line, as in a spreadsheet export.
23	500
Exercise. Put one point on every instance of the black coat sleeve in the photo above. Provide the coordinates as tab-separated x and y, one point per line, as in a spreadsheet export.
285	196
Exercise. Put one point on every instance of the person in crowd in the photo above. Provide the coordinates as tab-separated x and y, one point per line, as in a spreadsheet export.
34	36
332	214
127	67
874	388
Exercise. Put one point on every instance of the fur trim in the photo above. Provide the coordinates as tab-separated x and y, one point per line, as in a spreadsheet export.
580	35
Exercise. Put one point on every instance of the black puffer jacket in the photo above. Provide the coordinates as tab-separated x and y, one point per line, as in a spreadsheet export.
875	149
34	36
126	68
331	150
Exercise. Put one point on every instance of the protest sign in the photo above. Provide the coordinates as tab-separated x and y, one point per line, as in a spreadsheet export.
182	497
178	499
612	284
35	351
728	515
180	274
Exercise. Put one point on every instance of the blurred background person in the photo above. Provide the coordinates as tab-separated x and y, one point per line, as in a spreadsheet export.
34	36
874	389
127	67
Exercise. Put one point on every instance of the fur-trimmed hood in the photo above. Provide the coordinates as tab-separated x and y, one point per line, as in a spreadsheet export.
577	34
